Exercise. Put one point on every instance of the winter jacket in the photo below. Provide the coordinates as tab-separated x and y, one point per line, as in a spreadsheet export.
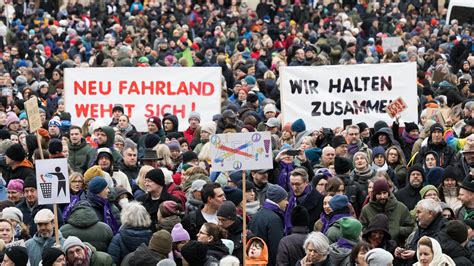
130	171
400	223
340	256
192	204
313	202
98	258
127	240
37	245
22	171
409	196
92	154
380	222
290	248
234	233
152	205
353	192
457	252
391	140
30	212
217	249
143	256
77	155
84	223
99	209
447	156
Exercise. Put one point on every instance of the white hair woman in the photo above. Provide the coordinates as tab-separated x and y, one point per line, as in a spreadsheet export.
134	231
316	247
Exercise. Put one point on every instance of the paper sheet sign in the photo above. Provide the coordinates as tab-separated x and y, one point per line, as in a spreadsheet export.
241	151
396	107
32	110
52	181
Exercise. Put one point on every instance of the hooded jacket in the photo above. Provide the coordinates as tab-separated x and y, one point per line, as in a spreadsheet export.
84	223
380	223
143	256
92	154
460	254
391	140
37	245
447	155
409	195
217	249
21	171
290	248
174	120
400	223
340	255
127	240
262	259
78	154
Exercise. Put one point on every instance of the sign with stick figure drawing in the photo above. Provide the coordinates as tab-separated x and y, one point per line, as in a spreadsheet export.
52	181
242	151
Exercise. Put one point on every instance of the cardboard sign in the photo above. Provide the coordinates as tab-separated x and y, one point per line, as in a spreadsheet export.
392	43
396	107
32	111
241	151
327	95
52	181
143	92
439	115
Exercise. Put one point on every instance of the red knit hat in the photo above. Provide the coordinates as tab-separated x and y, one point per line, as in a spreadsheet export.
379	186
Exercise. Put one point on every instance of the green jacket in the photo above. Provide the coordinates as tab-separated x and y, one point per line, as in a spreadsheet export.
400	222
98	258
85	224
77	155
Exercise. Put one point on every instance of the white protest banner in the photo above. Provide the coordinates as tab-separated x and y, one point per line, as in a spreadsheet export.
143	92
241	151
52	181
392	43
325	96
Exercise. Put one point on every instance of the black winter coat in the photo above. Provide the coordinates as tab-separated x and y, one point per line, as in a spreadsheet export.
409	196
460	255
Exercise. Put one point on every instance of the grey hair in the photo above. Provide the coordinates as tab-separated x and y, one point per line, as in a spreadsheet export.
135	215
430	205
229	261
319	241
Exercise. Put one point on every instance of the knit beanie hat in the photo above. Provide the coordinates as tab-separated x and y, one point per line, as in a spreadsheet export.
378	256
362	126
174	145
299	216
54	122
436	126
409	126
55	147
364	155
16	153
189	156
298	126
30	181
18	254
12	213
233	194
457	230
155	120
97	185
50	255
338	202
379	124
93	172
376	151
16	184
338	141
157	176
72	241
350	228
449	172
151	140
417	167
276	193
227	210
427	188
342	165
169	208
209	128
193	252
179	233
161	242
379	186
4	134
11	118
194	115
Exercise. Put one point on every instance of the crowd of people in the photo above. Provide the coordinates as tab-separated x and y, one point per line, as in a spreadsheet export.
383	194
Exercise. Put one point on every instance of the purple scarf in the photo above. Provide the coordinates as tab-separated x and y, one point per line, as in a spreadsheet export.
343	243
274	208
353	148
74	200
284	176
108	215
328	222
291	204
408	138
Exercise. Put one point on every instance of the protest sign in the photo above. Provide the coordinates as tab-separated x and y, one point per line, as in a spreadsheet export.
396	107
326	95
439	115
52	181
392	43
143	92
32	111
241	151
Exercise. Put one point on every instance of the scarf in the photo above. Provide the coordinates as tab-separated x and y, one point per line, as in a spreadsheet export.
344	243
284	176
328	220
377	168
108	215
292	204
74	200
252	207
353	148
362	177
408	138
272	206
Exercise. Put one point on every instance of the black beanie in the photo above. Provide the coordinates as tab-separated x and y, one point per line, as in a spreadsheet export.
451	172
457	230
252	97
18	254
417	167
342	165
157	176
338	141
30	181
409	126
299	216
50	255
55	147
193	252
362	126
189	156
151	140
4	134
16	153
436	126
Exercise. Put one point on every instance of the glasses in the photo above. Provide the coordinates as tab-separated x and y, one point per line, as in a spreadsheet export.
432	195
202	233
77	182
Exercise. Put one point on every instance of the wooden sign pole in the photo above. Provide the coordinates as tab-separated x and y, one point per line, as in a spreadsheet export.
244	216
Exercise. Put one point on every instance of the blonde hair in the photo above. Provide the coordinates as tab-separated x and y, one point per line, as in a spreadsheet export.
162	151
205	153
141	176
